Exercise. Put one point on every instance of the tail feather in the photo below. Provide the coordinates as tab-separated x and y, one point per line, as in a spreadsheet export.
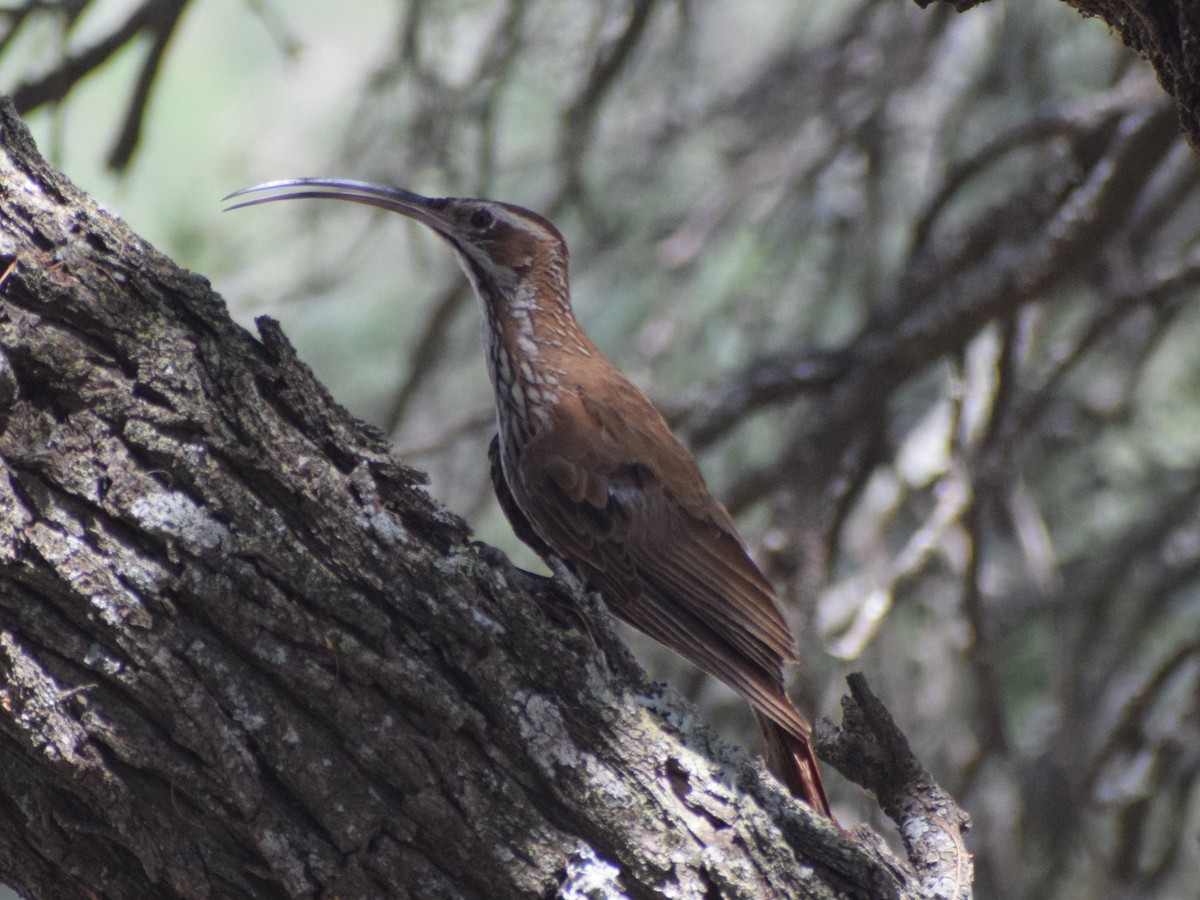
792	759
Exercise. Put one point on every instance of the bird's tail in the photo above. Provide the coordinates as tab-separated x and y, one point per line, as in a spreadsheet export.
792	759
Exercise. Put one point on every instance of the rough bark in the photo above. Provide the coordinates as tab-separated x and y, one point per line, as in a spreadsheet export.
245	655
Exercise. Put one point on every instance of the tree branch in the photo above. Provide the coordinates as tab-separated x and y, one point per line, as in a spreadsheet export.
871	751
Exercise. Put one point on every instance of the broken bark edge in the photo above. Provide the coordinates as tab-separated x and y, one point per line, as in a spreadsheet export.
870	750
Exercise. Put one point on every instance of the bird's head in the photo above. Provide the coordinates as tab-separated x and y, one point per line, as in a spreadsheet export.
508	252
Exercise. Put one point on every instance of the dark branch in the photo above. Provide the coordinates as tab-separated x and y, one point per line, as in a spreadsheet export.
872	752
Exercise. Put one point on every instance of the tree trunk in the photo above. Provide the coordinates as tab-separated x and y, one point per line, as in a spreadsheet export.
245	655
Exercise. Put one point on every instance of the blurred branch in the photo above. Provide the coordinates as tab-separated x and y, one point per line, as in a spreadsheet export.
1161	33
579	116
1094	651
990	480
479	422
423	355
68	10
981	651
1165	293
953	504
168	15
156	18
1039	237
1129	733
1075	122
785	139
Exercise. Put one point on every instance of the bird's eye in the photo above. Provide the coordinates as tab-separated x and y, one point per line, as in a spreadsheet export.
482	219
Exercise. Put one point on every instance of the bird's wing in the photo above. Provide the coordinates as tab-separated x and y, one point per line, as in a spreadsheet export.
517	519
621	498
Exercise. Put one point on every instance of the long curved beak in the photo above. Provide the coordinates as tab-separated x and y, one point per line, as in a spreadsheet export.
390	198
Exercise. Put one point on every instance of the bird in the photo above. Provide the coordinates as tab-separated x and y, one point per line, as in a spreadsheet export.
588	472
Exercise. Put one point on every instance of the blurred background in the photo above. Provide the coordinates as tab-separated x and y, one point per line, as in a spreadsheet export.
921	290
